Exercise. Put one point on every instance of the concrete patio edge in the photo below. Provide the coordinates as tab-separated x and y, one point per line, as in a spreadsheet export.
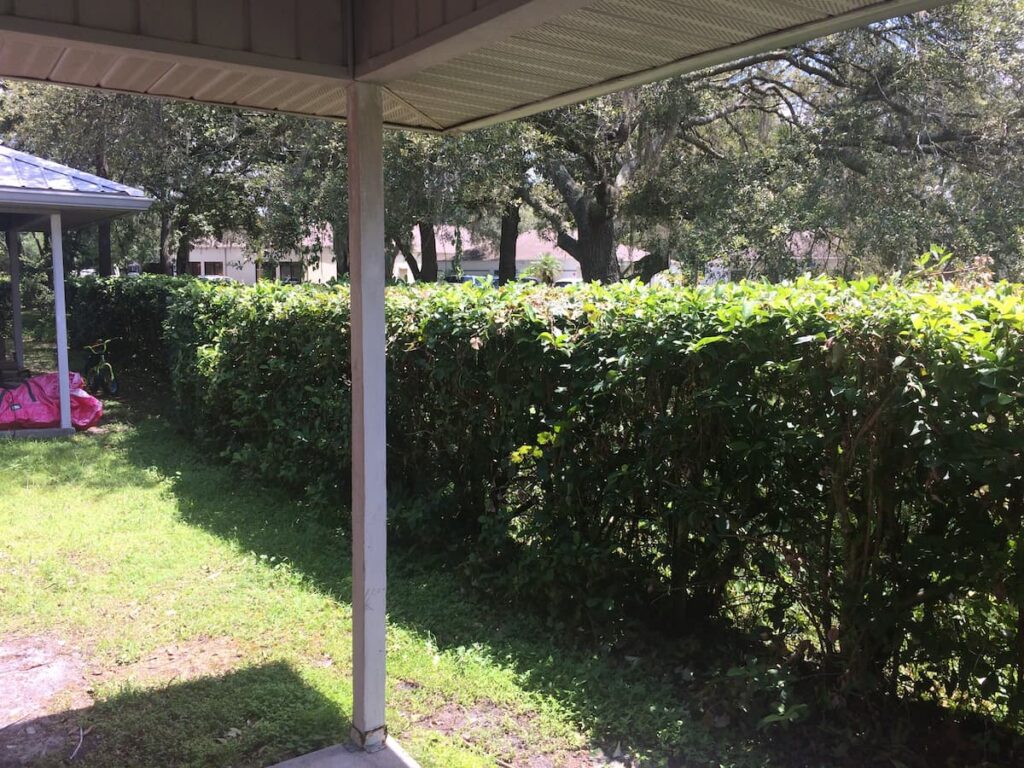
348	756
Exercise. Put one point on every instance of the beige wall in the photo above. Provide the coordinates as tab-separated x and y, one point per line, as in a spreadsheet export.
233	262
238	265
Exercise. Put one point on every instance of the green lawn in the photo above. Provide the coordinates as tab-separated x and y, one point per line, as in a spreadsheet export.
212	619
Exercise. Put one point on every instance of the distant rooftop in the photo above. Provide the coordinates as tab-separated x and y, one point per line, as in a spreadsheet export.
530	246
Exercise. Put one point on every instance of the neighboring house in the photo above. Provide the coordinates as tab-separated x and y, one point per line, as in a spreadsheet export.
232	260
480	257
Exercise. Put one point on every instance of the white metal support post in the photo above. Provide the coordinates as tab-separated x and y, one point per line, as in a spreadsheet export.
369	449
57	244
14	252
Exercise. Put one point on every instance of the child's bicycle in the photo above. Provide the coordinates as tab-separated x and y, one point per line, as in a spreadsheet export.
99	373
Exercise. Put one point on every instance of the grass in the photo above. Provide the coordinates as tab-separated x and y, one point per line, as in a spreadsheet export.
126	544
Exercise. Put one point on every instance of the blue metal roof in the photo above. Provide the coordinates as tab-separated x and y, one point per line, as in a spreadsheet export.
20	170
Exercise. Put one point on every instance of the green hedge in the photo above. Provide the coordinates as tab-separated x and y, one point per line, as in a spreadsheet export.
131	311
823	460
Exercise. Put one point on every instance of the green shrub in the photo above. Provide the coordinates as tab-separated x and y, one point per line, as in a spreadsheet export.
36	293
840	462
129	310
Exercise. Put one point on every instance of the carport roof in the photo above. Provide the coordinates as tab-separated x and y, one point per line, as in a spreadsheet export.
442	64
32	188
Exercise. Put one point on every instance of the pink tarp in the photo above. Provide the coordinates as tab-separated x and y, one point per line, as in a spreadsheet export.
35	404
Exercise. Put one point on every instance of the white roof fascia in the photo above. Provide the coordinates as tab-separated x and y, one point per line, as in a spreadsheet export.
31	200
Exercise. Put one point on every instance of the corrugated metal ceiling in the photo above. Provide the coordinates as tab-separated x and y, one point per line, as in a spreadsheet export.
610	44
599	47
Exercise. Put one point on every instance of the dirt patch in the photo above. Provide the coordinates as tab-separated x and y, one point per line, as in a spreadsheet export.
42	678
486	724
34	670
46	687
203	657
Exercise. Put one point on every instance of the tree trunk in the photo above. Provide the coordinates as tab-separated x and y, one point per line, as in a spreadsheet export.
405	248
596	250
183	252
106	264
509	238
340	241
341	258
650	266
390	254
428	252
457	258
596	243
165	243
43	248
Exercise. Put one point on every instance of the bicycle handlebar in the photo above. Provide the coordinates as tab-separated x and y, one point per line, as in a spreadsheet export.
100	343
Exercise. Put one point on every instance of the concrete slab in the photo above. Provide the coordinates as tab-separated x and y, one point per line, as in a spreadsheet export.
347	756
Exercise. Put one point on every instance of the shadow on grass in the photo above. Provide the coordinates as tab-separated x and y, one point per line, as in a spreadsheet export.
629	702
253	717
84	461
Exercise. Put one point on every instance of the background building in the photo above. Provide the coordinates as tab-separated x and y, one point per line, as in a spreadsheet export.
480	256
230	259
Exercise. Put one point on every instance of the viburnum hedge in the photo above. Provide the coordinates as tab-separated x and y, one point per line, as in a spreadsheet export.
841	462
129	311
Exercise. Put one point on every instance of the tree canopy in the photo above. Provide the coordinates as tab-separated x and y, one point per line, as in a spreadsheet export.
854	153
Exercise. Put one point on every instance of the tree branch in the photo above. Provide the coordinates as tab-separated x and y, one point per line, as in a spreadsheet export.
550	214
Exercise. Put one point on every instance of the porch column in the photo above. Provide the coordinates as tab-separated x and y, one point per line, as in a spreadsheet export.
57	244
369	491
14	251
